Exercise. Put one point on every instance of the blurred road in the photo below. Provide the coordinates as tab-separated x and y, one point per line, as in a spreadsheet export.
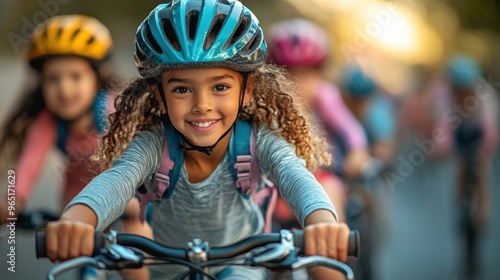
423	240
420	243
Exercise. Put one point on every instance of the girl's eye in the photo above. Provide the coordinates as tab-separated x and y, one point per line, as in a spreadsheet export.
52	79
220	87
76	76
181	90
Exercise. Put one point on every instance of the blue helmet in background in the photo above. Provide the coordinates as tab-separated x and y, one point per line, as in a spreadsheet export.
357	84
463	72
187	34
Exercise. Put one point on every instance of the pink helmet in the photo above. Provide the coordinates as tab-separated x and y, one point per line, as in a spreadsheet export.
298	42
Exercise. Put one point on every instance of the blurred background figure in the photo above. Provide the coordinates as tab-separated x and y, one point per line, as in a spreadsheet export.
303	48
369	196
67	109
475	125
373	109
476	128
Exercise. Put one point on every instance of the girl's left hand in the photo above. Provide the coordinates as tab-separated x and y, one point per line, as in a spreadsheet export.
327	240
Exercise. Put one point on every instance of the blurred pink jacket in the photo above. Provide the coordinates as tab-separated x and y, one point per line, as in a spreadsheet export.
78	169
336	117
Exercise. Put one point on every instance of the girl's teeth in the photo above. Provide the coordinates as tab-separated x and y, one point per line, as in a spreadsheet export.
203	124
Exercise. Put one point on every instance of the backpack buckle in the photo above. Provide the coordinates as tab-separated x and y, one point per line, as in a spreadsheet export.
244	182
243	167
162	178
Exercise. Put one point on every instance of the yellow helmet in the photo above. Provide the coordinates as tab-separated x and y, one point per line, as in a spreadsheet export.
70	35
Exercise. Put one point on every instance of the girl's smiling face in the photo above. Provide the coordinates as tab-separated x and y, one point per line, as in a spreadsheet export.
202	103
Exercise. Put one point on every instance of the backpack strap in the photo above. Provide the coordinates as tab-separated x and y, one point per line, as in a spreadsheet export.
100	111
172	137
241	158
246	170
260	198
165	178
62	128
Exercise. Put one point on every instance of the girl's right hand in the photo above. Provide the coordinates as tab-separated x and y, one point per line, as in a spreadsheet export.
67	239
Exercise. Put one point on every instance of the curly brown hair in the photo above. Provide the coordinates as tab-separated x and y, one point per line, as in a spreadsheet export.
275	102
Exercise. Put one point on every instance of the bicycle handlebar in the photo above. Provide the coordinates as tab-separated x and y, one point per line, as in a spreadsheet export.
158	250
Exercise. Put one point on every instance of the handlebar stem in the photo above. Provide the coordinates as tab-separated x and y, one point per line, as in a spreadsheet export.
198	251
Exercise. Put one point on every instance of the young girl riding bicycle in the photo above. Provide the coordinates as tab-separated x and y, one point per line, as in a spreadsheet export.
202	67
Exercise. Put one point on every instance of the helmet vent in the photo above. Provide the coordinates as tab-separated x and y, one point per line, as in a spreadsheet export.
192	22
59	32
170	33
91	40
238	33
214	31
253	45
140	55
151	40
75	33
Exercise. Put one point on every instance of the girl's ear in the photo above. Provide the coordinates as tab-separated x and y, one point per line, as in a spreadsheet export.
156	92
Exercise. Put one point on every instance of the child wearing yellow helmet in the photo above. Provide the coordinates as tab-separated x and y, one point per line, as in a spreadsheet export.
67	109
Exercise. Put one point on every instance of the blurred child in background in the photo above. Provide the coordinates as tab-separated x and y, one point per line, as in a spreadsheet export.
303	48
68	109
372	109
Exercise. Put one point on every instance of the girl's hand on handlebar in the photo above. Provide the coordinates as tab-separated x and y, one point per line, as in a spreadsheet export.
328	240
67	239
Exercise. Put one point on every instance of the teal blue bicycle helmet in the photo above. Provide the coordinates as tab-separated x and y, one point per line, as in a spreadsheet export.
357	84
187	34
463	72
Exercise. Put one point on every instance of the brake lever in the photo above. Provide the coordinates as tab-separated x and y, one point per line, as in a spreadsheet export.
117	257
113	257
312	261
74	263
271	252
274	252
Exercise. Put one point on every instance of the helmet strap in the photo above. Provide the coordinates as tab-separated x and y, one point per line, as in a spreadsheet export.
205	149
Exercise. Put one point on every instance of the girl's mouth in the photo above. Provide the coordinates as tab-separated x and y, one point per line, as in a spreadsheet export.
203	126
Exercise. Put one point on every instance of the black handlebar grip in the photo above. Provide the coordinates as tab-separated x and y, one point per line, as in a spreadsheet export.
41	249
298	238
99	242
41	242
353	243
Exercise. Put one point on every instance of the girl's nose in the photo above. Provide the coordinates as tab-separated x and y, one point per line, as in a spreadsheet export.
64	86
202	102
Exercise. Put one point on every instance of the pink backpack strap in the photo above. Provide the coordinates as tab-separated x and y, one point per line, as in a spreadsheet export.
247	170
260	197
268	190
160	181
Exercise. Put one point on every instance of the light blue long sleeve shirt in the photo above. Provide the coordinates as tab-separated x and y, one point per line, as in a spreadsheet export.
212	209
